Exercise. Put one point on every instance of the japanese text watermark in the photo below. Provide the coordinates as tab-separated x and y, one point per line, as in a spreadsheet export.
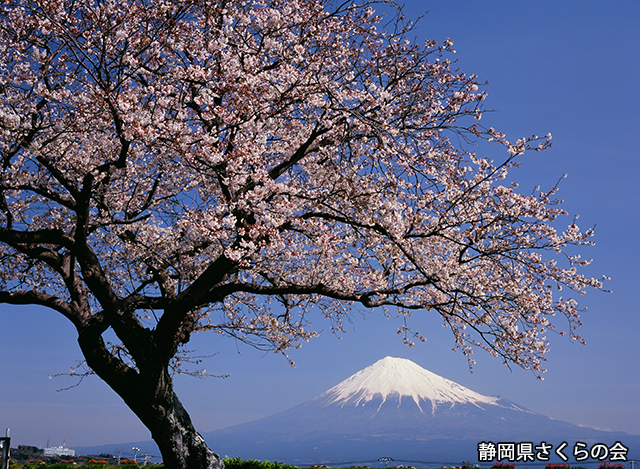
526	451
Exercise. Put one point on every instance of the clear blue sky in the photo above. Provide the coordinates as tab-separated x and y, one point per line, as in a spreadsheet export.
566	67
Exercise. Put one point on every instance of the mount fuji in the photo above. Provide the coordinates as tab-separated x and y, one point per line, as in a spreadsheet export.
395	408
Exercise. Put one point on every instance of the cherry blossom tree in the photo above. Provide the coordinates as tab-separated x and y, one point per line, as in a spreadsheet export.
235	166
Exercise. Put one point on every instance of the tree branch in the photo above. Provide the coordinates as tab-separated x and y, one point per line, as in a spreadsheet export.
43	299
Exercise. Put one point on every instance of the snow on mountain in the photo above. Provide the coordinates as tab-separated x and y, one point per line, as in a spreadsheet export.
395	408
383	410
397	378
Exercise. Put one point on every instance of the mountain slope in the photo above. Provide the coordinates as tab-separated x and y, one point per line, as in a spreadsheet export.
395	408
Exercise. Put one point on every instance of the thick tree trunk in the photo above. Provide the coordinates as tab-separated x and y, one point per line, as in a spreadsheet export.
180	444
160	410
150	395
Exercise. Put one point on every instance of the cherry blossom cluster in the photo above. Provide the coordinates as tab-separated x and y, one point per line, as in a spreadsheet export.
179	162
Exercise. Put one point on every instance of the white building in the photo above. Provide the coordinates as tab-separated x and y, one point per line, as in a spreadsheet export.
59	451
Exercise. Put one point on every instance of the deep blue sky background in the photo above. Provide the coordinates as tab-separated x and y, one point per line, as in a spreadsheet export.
570	68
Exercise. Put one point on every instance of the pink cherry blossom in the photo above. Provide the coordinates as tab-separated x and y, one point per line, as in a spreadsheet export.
176	166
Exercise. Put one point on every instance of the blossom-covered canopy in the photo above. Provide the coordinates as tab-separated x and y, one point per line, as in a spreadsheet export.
170	166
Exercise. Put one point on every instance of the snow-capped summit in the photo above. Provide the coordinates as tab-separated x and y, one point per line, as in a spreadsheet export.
395	408
400	378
